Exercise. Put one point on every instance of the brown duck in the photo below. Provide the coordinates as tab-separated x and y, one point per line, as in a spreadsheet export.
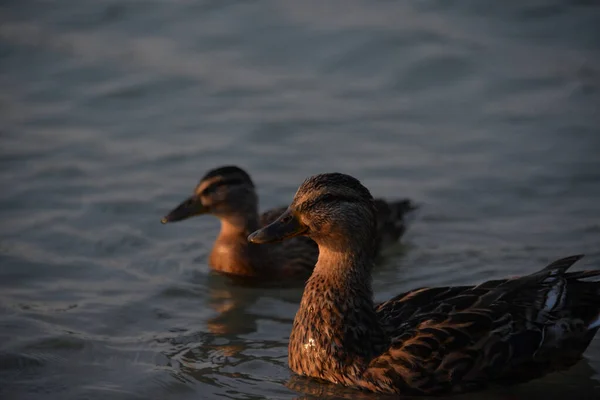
229	194
427	341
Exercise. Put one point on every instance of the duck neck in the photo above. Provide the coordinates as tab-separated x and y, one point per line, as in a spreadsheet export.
336	331
239	225
232	253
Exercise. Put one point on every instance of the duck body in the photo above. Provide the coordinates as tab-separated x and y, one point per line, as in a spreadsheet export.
233	255
229	194
428	341
458	339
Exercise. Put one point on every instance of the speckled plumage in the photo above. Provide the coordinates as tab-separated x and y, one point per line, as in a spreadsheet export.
229	194
427	341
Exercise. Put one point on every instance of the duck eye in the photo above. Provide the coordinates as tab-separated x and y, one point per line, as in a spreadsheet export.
208	191
286	219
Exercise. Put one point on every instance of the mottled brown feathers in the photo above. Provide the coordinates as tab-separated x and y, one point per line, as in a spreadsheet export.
428	341
229	193
456	339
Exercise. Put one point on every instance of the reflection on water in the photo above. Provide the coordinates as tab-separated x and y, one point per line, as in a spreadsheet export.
484	113
577	381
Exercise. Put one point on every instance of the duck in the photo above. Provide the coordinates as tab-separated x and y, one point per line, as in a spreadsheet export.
430	340
228	193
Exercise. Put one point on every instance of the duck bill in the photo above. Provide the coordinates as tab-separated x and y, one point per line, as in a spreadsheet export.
285	227
190	207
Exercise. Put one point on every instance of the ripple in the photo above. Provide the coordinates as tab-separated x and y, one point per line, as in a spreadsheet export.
19	362
484	114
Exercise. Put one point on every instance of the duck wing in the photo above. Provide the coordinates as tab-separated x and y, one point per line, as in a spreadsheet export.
462	338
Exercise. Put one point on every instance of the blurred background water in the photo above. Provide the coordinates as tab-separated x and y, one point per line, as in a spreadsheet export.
486	113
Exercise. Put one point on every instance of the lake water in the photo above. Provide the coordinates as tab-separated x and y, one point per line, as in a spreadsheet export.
486	113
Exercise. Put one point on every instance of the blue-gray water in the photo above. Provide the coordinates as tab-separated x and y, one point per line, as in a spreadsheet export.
487	113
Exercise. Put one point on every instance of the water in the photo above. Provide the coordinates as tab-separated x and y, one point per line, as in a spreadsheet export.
484	112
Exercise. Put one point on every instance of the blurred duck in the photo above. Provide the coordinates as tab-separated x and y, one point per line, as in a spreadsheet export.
229	194
428	341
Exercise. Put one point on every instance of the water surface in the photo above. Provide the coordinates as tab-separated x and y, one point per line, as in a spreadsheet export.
484	112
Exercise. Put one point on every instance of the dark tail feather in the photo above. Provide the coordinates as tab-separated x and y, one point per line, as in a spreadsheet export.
402	207
553	270
394	211
585	295
582	274
595	324
391	220
564	264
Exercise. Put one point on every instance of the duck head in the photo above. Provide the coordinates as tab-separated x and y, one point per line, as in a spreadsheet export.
222	192
333	209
